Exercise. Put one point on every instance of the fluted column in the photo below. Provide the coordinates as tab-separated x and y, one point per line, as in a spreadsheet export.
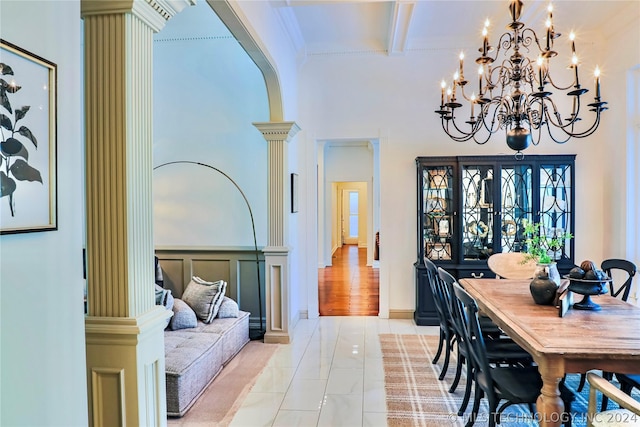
276	254
124	327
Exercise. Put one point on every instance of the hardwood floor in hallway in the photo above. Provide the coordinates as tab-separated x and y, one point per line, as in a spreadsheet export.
349	287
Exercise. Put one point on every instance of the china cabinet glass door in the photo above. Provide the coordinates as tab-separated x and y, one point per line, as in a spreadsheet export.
516	205
555	206
477	211
438	209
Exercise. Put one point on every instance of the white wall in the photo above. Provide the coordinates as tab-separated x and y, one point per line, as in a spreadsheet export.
42	367
207	93
621	140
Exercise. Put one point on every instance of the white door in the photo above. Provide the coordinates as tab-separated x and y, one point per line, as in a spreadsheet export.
350	218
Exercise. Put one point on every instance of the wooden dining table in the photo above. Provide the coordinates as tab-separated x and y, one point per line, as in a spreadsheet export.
607	339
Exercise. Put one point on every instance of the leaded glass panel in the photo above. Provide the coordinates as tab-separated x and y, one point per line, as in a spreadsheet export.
438	208
516	205
477	211
555	204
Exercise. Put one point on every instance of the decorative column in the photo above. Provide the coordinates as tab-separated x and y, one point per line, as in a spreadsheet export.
276	254
123	326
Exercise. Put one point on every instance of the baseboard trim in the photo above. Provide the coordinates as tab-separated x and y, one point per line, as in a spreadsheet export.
401	314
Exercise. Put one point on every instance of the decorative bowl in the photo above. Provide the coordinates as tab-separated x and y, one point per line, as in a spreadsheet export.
587	288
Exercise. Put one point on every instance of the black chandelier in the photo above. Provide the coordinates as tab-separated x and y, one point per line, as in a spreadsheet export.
514	91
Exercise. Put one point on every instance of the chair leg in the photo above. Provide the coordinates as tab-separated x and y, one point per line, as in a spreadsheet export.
583	378
439	351
447	357
456	379
467	390
567	418
476	406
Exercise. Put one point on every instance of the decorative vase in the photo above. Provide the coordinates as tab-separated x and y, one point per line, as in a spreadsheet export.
545	283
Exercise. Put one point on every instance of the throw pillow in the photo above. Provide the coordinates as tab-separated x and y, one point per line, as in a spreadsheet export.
204	297
165	298
169	300
183	316
228	308
159	295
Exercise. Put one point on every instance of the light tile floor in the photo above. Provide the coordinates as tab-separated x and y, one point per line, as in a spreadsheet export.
330	375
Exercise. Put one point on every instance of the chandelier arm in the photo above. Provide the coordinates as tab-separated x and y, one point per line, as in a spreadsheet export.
550	80
445	126
553	113
569	134
507	43
556	139
538	133
464	95
481	141
587	132
528	39
469	134
496	104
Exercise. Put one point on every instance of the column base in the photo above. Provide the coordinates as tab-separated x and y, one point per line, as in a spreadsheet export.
126	370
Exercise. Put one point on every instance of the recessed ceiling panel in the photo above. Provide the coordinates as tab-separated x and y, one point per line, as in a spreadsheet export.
343	26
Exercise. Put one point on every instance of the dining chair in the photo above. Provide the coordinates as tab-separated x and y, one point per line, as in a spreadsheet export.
615	266
627	415
500	349
628	382
512	384
447	333
512	265
619	270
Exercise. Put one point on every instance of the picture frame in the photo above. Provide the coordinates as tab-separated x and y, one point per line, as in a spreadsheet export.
28	159
443	227
294	192
435	204
438	251
438	179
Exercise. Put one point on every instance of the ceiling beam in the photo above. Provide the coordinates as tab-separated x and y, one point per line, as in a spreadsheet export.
399	26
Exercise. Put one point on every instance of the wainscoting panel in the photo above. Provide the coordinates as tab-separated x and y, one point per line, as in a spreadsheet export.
211	270
237	266
173	275
107	387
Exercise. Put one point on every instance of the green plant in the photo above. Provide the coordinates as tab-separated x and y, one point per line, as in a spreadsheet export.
539	244
14	155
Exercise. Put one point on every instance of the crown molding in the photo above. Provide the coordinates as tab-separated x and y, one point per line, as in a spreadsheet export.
154	13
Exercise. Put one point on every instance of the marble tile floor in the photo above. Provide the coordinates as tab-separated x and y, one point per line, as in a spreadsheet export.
330	375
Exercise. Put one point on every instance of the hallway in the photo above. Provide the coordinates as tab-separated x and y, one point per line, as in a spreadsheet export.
348	287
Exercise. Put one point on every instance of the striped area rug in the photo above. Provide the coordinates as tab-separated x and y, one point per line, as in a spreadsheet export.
415	396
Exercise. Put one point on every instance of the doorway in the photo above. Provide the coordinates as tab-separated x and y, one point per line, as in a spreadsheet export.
349	286
348	219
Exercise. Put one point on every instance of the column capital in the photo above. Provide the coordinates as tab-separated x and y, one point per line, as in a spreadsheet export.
154	12
277	131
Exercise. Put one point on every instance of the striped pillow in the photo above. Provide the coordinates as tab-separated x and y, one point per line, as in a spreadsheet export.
204	297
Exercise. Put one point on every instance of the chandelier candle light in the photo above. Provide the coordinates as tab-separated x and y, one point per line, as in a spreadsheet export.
514	90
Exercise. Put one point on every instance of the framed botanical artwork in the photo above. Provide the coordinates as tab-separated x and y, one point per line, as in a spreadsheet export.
28	175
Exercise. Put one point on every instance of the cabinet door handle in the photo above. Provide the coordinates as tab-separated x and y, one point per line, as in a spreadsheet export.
477	276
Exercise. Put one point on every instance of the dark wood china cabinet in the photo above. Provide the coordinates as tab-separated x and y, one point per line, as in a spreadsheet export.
470	207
